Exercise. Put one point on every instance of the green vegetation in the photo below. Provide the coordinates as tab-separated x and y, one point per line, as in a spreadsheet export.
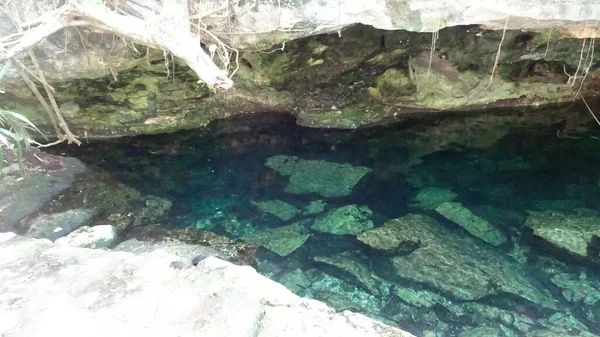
14	132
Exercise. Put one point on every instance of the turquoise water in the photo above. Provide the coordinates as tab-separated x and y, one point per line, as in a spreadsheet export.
443	227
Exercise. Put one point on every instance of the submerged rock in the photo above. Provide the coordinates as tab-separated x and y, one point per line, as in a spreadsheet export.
278	208
356	268
431	197
576	289
475	225
103	236
314	207
57	225
152	297
571	232
453	263
317	176
282	240
347	220
481	331
295	280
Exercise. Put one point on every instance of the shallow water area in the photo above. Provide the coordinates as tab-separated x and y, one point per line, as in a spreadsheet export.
465	225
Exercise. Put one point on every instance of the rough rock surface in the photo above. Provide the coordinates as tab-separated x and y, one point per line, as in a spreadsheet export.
317	176
102	236
474	224
42	283
347	220
571	232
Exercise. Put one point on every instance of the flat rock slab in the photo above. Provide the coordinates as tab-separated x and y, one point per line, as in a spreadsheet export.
54	290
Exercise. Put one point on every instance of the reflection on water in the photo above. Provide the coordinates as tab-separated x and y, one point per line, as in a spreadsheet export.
459	227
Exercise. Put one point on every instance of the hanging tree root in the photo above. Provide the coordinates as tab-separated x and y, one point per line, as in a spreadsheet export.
168	29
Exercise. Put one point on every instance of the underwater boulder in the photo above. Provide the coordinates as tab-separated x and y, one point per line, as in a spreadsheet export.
577	289
431	197
453	263
282	240
347	220
573	233
352	265
474	224
317	176
278	208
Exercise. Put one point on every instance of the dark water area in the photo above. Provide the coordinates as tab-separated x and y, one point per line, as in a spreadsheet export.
441	227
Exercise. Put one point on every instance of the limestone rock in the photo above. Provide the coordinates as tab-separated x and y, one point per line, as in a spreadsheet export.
57	225
103	236
475	225
278	208
347	220
571	232
282	240
317	176
454	264
151	298
431	197
188	244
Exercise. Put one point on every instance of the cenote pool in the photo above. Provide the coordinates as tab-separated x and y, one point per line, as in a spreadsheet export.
467	225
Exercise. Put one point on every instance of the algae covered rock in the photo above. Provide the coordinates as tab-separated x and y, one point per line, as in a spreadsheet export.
103	236
475	225
571	232
317	176
278	208
347	220
57	225
455	264
431	197
282	240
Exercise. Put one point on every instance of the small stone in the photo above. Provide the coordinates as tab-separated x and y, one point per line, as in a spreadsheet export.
347	220
103	236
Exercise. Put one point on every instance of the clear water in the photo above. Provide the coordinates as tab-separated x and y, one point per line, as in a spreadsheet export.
216	174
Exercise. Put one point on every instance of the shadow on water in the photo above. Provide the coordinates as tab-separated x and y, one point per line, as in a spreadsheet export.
221	169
